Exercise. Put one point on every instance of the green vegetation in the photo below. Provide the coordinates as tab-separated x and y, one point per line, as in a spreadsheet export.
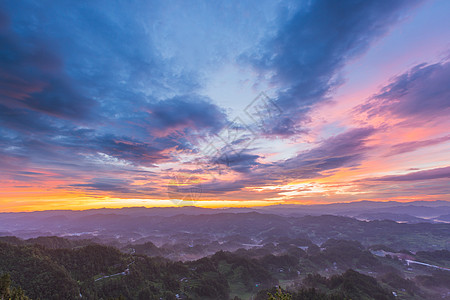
8	293
349	285
55	268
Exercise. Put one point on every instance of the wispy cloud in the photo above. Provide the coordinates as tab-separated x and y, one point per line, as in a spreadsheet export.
419	175
416	97
310	49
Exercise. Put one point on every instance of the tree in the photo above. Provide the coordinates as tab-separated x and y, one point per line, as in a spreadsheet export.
279	295
6	293
5	282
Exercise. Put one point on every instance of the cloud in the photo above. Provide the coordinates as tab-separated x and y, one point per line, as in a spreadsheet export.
216	187
418	96
106	184
183	113
438	173
90	142
346	149
239	162
24	120
415	145
32	78
137	152
98	98
103	94
307	53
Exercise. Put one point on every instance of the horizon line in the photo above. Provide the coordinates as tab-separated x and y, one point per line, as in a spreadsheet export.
224	207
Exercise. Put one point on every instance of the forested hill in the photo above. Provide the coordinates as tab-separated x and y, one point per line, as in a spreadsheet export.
347	269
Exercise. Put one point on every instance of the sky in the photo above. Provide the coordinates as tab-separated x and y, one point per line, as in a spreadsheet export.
223	103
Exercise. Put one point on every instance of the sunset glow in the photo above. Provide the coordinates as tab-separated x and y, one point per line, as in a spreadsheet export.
223	105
